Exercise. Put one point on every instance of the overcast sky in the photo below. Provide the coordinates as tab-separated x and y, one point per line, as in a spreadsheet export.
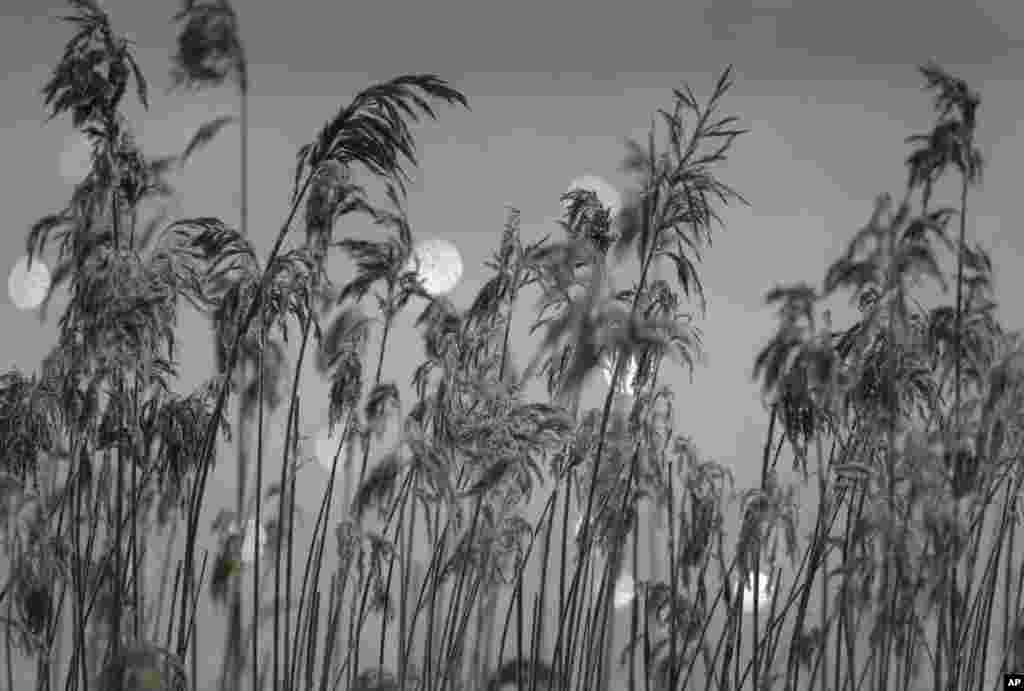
828	88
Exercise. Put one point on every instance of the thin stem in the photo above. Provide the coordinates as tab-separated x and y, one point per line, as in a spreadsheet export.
211	433
377	375
286	511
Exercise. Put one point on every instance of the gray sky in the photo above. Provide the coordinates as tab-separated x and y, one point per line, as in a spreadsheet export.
828	88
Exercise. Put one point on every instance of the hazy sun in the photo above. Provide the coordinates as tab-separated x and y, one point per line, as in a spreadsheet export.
605	191
27	286
327	446
625	379
249	537
763	597
625	590
438	264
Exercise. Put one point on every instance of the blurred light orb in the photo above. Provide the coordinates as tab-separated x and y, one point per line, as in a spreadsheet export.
76	159
625	590
327	447
626	378
605	191
249	537
763	597
438	265
27	286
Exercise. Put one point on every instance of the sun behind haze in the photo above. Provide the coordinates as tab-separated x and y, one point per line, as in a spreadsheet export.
438	265
605	191
27	285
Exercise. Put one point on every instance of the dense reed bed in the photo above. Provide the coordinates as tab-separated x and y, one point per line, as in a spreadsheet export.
487	532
